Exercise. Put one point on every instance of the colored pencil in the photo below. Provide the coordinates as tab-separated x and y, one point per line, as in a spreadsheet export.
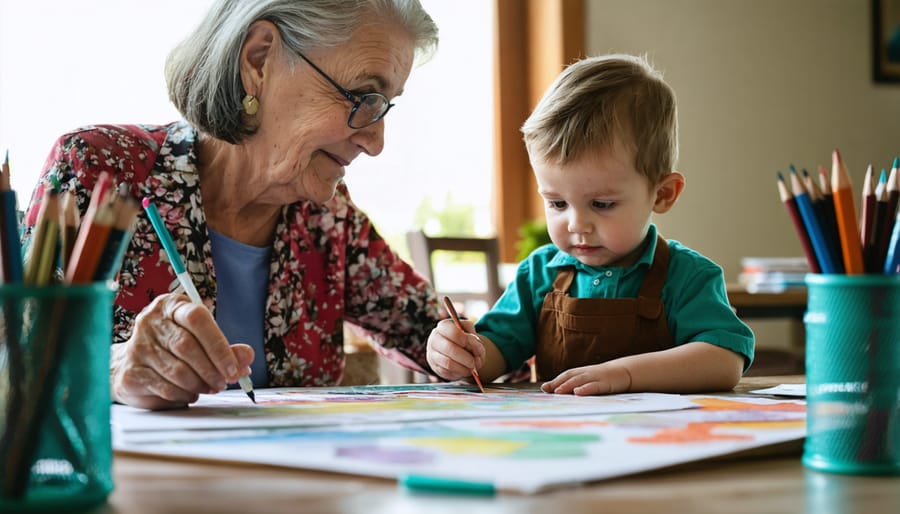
455	317
165	238
893	188
868	202
845	209
14	272
70	220
14	269
41	256
791	205
881	230
125	211
92	235
811	222
829	230
892	260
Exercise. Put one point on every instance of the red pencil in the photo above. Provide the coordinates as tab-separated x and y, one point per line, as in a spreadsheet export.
791	205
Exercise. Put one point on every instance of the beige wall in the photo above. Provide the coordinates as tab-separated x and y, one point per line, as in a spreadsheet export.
760	84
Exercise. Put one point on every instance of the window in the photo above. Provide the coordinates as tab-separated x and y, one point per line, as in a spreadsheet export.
66	64
438	153
101	61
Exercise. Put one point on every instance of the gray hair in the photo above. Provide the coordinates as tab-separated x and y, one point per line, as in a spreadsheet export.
203	74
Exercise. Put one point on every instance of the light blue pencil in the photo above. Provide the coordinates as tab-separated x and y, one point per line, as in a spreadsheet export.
892	261
183	277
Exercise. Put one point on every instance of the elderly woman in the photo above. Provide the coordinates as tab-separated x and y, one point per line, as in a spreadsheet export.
278	97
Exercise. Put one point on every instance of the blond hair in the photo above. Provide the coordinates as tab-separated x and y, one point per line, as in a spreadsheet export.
599	101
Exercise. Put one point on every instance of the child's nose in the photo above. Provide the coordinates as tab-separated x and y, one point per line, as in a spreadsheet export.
578	223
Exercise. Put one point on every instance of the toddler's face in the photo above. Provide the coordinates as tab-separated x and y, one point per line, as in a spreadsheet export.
598	207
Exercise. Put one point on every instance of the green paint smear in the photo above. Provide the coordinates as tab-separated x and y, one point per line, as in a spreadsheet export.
543	445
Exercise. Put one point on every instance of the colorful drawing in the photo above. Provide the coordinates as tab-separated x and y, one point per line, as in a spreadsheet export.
292	407
526	454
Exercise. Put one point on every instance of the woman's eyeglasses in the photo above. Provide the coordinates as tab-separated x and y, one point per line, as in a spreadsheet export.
367	109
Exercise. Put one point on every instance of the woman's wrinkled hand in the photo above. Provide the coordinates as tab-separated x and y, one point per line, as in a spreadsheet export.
175	353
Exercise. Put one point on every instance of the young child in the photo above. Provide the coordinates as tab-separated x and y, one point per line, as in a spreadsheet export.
610	306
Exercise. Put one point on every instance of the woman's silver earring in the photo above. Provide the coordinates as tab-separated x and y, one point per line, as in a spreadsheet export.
251	104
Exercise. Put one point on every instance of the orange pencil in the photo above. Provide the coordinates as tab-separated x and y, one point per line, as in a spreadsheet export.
92	235
455	317
845	209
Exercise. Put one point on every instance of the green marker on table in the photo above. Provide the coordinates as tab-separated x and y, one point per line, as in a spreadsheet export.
431	484
178	266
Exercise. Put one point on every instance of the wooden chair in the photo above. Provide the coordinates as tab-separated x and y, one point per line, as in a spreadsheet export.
422	248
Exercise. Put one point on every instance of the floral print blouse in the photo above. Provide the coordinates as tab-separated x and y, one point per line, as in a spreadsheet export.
328	264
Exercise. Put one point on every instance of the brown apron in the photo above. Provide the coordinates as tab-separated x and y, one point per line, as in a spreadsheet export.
575	332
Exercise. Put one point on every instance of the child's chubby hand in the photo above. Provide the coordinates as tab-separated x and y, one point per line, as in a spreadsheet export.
453	354
606	378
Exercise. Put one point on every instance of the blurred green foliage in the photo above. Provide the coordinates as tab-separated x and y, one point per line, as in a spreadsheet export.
532	235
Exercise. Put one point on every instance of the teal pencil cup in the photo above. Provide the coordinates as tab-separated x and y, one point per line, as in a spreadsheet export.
55	441
853	374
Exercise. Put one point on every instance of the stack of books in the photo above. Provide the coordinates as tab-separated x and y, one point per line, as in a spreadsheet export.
772	274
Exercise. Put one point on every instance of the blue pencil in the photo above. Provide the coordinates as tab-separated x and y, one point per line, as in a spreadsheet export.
813	226
892	261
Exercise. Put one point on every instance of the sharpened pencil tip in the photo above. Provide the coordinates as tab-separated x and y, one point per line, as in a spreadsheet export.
896	163
252	396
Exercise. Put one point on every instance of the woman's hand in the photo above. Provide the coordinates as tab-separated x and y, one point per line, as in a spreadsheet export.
176	352
453	354
607	378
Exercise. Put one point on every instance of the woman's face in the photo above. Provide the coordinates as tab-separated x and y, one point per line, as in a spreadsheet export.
304	143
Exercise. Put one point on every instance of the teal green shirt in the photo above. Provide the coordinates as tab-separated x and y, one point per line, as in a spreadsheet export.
693	296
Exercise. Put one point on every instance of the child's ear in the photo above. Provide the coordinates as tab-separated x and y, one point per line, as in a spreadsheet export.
667	192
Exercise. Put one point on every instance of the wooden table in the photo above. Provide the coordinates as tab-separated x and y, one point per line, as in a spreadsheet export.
788	304
769	481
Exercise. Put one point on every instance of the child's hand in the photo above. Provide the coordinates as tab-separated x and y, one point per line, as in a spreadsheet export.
453	354
606	378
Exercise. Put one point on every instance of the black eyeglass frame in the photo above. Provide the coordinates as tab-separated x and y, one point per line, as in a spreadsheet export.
357	101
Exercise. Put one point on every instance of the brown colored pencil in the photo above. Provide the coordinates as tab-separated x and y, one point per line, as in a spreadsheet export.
455	317
845	209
